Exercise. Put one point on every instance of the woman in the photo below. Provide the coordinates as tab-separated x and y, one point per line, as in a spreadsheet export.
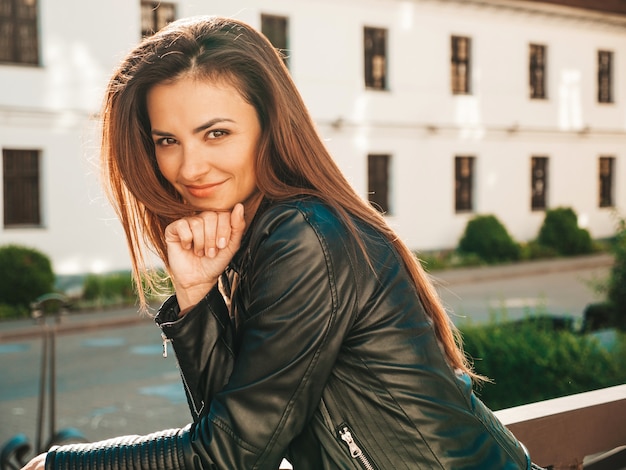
303	327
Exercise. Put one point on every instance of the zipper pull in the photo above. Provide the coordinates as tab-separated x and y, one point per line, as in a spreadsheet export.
165	341
346	436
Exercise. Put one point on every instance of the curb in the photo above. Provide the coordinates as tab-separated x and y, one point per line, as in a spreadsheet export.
36	331
75	322
530	268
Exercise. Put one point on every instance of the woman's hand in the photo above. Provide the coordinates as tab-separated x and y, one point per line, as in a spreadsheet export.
38	463
199	248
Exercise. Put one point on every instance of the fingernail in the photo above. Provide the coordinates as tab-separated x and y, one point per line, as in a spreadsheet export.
221	243
211	252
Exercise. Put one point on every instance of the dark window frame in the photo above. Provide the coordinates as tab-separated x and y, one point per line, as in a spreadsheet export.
155	15
19	32
461	65
464	174
21	183
375	58
379	181
276	29
537	71
539	182
605	76
606	181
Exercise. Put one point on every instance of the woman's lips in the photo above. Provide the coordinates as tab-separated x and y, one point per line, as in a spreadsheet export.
202	191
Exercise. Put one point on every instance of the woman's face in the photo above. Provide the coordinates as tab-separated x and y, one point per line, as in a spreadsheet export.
206	137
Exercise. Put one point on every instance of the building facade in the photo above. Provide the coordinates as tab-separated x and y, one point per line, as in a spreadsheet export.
436	110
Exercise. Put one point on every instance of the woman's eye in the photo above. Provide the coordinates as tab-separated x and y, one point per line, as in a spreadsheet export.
165	141
216	134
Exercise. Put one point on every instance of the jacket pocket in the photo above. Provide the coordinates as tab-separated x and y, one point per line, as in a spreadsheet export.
356	450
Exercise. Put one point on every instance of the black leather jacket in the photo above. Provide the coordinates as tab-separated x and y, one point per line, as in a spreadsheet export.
322	361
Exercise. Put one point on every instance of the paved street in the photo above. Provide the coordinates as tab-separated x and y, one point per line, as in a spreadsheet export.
113	380
559	288
109	383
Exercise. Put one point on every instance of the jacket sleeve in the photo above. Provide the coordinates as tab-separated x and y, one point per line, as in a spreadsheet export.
202	341
291	329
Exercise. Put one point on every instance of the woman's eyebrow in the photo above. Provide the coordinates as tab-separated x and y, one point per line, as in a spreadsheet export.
161	133
211	123
200	128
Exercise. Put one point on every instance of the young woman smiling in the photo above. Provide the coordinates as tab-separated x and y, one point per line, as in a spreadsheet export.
304	328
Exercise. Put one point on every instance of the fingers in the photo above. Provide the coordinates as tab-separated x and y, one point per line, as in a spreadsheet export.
211	232
208	232
237	224
37	463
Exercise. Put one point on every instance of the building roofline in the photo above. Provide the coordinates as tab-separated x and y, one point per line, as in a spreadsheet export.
602	6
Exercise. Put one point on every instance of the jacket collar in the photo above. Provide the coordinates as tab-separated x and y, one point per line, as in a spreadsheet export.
237	261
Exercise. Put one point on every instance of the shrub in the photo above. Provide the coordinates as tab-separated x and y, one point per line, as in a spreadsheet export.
533	250
112	288
617	279
487	238
13	311
532	361
26	275
560	232
598	316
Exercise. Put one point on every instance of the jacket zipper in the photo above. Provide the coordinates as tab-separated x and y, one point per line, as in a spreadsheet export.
355	451
165	341
192	401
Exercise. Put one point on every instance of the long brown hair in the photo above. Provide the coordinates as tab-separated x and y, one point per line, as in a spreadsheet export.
292	160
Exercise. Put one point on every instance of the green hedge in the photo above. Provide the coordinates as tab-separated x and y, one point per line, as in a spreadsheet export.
26	274
118	288
530	361
109	289
560	232
487	238
617	282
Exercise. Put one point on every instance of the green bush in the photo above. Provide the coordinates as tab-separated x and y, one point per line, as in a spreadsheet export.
533	250
109	289
531	361
13	311
598	316
560	232
487	238
617	280
26	275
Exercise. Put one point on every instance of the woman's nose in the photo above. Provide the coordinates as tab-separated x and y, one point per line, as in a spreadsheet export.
195	163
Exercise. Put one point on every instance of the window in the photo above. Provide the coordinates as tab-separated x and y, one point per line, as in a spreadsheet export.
375	47
539	183
276	29
460	72
605	77
537	71
19	42
607	166
21	187
155	15
463	184
378	181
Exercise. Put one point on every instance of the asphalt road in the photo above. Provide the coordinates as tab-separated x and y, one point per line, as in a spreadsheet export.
112	380
108	383
558	292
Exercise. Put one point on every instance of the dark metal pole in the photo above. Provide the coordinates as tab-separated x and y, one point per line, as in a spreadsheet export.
42	387
52	397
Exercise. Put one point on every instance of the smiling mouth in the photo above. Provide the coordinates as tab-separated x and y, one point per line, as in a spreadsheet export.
204	190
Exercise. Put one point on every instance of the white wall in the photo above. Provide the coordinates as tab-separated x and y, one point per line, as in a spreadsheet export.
49	108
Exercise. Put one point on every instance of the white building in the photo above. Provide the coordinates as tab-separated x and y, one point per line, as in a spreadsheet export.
444	108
